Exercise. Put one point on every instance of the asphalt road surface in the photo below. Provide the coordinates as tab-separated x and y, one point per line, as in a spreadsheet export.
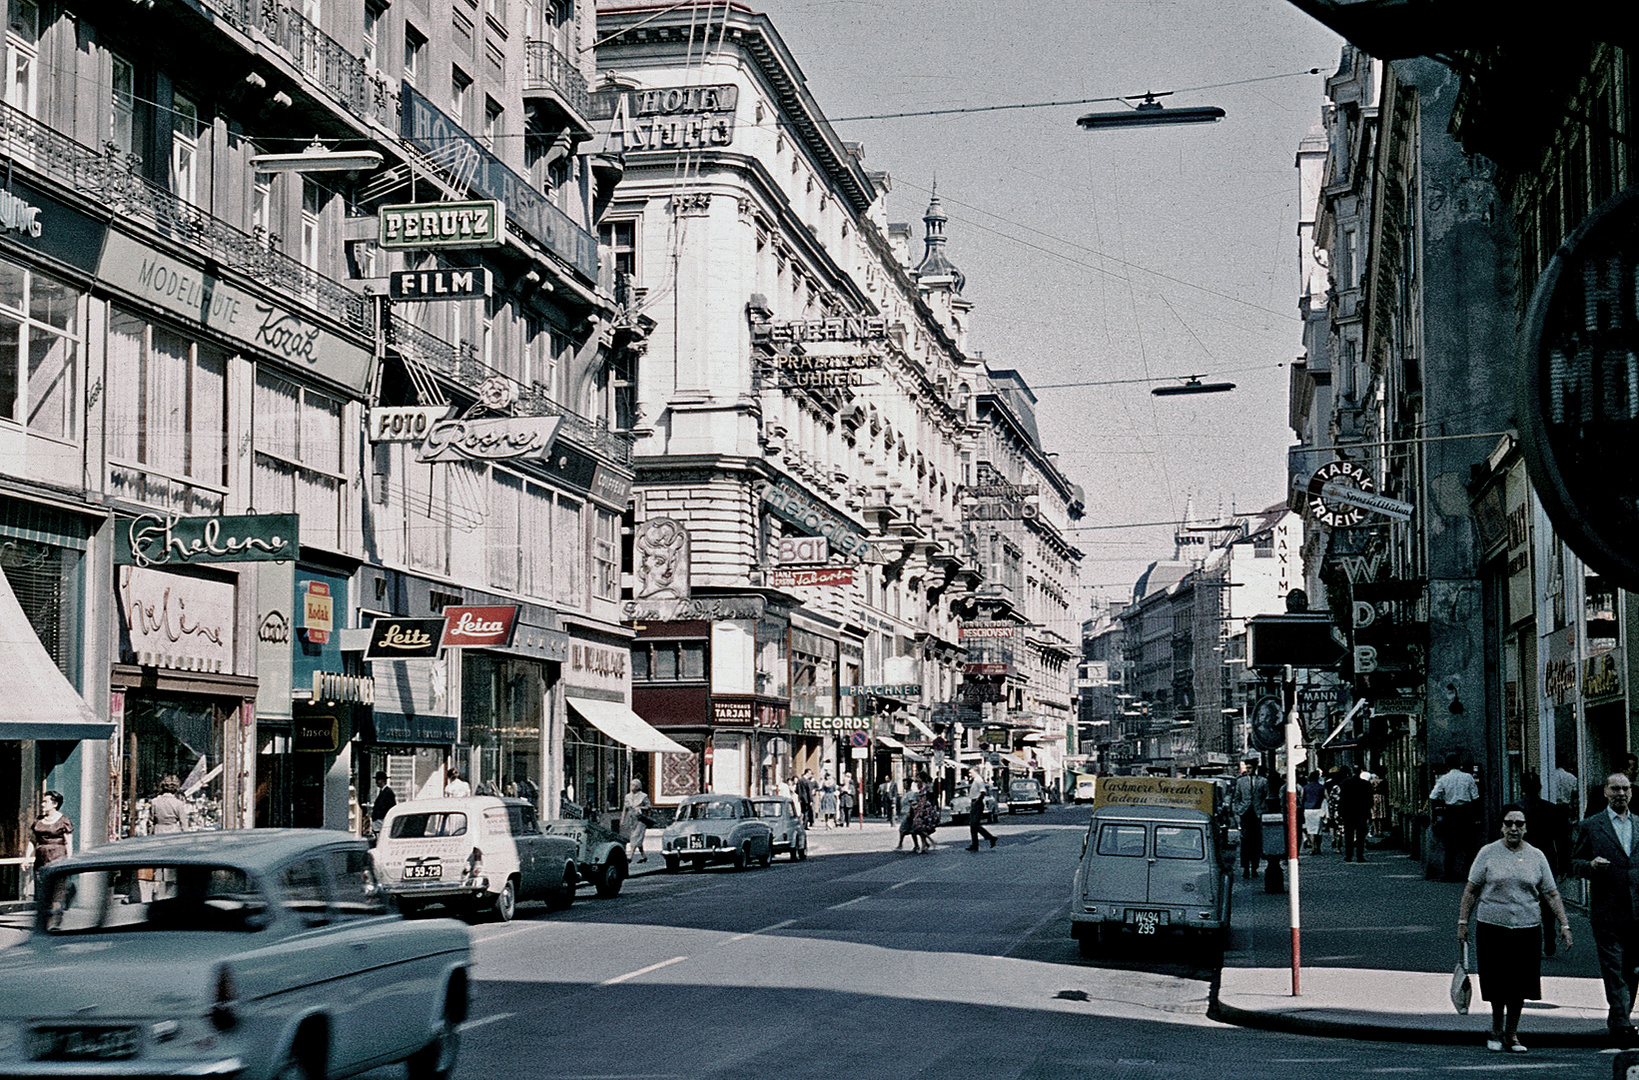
868	963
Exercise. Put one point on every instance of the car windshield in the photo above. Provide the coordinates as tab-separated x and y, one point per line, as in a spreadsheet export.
707	811
422	826
131	898
771	809
1022	787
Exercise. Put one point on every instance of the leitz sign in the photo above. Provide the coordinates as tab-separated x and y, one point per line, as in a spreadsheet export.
392	638
474	224
169	540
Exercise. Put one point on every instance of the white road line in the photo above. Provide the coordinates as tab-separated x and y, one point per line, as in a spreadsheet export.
470	1024
849	903
507	933
902	884
642	971
763	930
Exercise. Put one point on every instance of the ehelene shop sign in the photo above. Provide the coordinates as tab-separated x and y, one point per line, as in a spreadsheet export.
172	540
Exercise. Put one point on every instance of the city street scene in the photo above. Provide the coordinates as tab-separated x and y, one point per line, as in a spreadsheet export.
818	538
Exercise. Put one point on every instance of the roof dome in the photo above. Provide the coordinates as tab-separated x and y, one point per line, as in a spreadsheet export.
934	261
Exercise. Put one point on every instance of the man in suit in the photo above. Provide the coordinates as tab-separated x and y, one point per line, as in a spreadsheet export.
1246	802
1355	807
1604	853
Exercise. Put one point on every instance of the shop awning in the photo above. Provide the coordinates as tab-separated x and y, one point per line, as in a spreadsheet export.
1014	761
623	725
890	742
38	702
920	726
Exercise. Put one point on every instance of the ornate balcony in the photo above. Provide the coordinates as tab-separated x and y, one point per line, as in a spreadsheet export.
342	76
112	180
556	90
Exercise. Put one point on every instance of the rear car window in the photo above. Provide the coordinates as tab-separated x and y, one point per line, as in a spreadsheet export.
1179	842
427	825
356	890
1125	840
164	897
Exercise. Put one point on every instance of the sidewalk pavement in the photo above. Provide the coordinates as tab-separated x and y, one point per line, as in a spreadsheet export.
1378	944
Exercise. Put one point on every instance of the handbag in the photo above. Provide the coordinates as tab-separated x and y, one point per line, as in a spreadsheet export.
1462	991
648	822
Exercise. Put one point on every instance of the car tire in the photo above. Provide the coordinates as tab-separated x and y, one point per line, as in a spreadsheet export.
505	904
742	857
436	1060
672	863
612	878
303	1060
563	897
409	908
1090	941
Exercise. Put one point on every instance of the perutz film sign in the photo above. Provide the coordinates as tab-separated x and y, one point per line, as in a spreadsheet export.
392	638
474	224
447	283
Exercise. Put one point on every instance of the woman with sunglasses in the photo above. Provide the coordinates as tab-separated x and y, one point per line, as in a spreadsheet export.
1508	884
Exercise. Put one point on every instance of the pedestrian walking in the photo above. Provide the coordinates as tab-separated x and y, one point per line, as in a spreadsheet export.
828	802
455	787
1246	798
845	799
925	819
49	841
977	803
1314	811
906	804
634	819
1602	853
1453	806
1380	807
807	791
1354	804
168	811
1507	886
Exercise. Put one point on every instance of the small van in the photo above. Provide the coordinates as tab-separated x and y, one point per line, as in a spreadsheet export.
1086	787
1154	861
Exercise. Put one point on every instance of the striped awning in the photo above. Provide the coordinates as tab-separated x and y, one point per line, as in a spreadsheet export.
36	700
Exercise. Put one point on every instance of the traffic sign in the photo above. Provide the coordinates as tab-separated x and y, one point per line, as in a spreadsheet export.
859	738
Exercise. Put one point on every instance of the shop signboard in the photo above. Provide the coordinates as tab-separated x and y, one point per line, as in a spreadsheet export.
271	329
822	577
598	667
315	733
802	550
987	630
829	725
838	328
480	627
395	638
888	690
171	540
985	669
422	123
412	226
34	220
405	423
731	713
318	612
445	283
690	609
814	518
1559	681
177	621
493	438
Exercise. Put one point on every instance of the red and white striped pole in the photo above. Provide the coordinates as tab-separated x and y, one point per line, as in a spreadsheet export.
1294	752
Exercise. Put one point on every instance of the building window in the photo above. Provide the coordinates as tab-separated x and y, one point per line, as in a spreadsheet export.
415	46
620	237
261	208
298	439
606	556
460	85
372	36
184	148
167	401
310	224
122	108
669	661
22	55
39	352
492	125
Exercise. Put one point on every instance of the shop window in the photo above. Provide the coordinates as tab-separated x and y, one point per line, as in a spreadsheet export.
503	715
167	401
299	456
180	737
39	352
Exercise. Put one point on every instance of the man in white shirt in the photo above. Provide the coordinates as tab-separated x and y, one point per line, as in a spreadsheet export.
454	786
1602	853
977	806
1453	804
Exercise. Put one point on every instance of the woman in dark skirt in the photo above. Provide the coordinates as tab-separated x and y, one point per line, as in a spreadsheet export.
1508	884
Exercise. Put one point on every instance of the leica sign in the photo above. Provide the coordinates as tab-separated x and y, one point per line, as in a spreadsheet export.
479	626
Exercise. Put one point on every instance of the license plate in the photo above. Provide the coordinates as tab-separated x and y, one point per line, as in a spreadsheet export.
1146	921
697	841
424	870
84	1044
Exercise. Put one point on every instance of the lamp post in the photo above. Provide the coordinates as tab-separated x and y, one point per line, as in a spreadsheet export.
1150	113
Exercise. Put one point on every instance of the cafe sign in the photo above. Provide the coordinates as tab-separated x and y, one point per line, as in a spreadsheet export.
474	224
393	638
171	540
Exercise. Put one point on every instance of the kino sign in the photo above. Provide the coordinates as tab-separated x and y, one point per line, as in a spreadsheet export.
473	224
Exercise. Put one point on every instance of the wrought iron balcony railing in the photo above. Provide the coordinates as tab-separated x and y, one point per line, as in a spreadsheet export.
112	180
546	66
364	93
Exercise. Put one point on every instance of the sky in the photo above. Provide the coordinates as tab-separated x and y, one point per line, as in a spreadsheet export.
1099	257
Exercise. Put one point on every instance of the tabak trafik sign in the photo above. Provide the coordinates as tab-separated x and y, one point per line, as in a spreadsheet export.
1578	389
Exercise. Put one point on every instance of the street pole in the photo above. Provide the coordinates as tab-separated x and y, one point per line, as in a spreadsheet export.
1294	750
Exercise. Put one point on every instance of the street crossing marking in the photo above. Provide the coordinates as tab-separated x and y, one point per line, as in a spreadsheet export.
642	971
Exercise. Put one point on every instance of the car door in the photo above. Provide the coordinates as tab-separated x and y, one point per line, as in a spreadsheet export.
388	992
502	837
1181	872
533	867
1118	872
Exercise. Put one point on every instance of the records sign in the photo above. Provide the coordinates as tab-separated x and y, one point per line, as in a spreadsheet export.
1578	387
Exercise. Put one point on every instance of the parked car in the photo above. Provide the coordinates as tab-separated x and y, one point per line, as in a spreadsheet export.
717	828
252	953
601	854
1025	794
477	856
960	805
1086	787
789	834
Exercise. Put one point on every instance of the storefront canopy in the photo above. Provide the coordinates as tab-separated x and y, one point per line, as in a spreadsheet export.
890	742
623	725
36	702
920	726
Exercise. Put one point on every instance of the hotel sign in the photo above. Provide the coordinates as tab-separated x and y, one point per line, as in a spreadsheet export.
413	226
169	540
393	638
672	117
